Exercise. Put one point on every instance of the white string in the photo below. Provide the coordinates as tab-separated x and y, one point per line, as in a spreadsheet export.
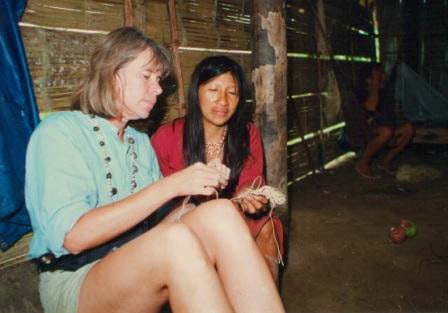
184	209
277	245
275	197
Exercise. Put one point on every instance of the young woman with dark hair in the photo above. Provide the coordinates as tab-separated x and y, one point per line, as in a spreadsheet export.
234	122
218	126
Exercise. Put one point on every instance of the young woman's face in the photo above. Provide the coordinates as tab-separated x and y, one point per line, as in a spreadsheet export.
138	85
218	99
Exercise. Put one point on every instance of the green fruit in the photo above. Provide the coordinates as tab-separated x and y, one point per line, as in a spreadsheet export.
411	230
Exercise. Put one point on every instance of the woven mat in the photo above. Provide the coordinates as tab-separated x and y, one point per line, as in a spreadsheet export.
17	254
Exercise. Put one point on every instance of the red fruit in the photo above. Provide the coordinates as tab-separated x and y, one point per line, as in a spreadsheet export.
397	234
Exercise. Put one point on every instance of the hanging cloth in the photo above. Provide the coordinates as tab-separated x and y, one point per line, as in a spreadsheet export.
419	100
18	117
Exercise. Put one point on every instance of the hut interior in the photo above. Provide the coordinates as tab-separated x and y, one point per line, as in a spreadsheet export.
339	255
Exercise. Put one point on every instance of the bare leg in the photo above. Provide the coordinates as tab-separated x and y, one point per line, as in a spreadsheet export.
168	262
265	240
403	134
240	265
266	243
382	136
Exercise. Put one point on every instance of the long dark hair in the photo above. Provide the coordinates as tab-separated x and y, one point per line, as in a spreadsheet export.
236	144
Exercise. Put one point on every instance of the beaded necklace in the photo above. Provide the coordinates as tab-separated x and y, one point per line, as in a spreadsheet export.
214	149
107	159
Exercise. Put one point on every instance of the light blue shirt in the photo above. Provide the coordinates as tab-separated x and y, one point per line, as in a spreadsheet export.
66	174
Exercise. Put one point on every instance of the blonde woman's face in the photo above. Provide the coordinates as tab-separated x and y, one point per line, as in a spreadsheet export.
138	85
218	100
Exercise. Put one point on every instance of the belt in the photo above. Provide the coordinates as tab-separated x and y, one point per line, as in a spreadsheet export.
48	262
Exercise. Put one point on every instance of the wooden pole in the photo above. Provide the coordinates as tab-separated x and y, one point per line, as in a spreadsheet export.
175	48
128	8
269	58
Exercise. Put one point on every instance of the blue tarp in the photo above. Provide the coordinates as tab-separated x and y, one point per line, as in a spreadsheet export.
18	118
419	100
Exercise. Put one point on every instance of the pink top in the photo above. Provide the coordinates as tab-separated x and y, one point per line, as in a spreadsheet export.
168	140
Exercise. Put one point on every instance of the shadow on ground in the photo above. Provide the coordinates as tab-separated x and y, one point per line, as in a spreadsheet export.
340	256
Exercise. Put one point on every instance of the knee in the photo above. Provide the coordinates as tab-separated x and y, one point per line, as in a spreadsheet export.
385	133
222	217
183	252
181	243
176	232
222	209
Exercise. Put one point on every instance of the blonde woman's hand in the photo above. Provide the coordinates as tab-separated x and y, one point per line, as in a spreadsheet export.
224	172
197	179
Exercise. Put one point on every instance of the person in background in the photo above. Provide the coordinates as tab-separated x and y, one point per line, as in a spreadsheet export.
93	187
218	126
385	131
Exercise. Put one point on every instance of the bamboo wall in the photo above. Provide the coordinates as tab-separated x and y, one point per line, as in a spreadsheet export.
59	36
416	32
313	135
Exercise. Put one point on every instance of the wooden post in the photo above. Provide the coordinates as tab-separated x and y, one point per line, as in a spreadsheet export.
128	8
269	58
175	48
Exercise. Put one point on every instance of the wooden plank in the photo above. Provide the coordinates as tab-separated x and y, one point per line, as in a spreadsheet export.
17	254
177	63
93	15
431	135
128	12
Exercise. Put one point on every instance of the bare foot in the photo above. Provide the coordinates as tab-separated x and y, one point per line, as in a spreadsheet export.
365	171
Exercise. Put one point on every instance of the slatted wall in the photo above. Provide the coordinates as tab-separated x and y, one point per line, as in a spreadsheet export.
416	32
57	57
59	36
434	65
313	136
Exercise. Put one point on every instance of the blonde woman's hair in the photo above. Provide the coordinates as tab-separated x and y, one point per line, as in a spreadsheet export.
96	94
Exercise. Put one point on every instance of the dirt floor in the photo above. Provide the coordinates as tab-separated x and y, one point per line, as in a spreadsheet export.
340	256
